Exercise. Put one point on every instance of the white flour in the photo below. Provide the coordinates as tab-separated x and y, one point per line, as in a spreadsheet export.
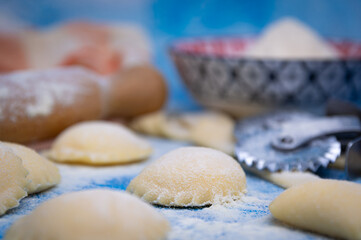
290	39
245	219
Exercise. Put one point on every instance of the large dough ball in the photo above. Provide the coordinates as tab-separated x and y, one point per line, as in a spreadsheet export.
99	142
329	207
91	215
12	179
43	174
189	177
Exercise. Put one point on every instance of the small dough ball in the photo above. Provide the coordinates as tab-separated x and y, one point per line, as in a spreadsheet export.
330	207
12	179
190	177
91	215
99	142
214	130
43	174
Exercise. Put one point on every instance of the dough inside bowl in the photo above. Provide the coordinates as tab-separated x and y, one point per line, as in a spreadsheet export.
190	177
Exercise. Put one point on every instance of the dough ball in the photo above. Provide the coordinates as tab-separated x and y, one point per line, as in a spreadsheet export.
12	179
330	207
43	174
190	177
99	142
91	215
214	130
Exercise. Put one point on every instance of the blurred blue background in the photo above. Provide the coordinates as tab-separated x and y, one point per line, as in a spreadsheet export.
167	20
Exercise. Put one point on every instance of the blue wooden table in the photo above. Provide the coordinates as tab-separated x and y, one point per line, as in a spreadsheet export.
249	219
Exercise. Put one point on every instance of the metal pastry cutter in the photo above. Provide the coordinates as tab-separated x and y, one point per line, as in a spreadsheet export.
291	140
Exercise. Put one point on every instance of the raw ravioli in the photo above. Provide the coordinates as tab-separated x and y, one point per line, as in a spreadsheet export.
92	215
330	207
99	142
190	177
43	174
12	179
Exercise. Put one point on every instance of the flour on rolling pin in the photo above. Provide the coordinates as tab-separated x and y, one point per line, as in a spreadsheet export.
39	104
42	90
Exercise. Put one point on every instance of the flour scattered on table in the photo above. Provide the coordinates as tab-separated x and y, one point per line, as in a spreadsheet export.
245	219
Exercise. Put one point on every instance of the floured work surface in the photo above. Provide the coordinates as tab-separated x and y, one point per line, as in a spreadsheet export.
249	219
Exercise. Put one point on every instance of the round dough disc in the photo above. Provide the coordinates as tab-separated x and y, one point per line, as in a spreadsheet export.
331	207
99	142
43	174
12	179
190	177
91	215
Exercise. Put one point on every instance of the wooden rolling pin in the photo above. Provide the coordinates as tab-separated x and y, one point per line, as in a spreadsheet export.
39	104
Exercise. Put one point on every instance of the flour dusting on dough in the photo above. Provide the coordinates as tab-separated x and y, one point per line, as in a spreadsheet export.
191	176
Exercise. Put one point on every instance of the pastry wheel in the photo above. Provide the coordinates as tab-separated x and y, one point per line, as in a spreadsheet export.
287	141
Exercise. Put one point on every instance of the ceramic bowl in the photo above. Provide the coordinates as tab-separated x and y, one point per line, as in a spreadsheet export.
219	76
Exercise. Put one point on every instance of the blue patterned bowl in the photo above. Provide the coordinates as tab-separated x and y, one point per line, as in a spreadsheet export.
218	76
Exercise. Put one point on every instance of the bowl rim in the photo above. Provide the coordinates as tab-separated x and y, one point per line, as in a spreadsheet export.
173	50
